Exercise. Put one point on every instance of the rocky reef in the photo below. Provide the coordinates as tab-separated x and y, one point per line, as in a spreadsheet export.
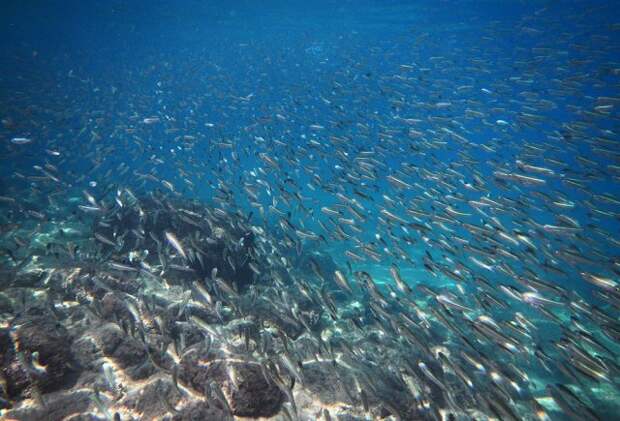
112	320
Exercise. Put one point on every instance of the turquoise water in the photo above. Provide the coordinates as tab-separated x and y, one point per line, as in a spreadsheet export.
469	148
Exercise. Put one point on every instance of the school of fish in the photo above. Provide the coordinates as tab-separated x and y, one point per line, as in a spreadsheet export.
433	235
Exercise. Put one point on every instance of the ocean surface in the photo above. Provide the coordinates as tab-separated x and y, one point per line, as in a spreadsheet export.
286	210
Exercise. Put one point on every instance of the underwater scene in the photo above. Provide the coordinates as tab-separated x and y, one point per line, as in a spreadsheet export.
326	210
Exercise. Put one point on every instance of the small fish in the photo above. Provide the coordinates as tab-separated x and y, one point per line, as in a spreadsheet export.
342	281
21	140
172	239
400	284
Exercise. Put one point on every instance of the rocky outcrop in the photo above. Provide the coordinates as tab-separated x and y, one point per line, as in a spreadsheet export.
248	392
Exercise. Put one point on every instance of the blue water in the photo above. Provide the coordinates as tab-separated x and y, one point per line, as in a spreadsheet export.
440	94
